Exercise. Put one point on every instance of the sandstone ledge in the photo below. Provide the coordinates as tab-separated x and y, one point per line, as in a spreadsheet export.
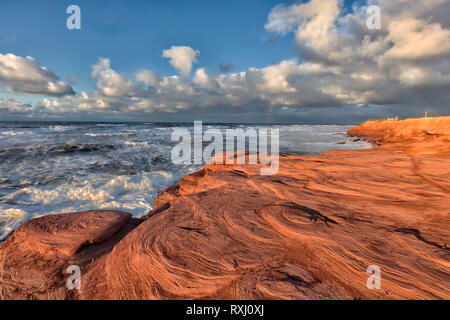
226	232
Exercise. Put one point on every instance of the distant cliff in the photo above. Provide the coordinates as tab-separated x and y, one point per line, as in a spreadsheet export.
418	129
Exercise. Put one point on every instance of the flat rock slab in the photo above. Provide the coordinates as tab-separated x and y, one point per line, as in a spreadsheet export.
34	260
68	232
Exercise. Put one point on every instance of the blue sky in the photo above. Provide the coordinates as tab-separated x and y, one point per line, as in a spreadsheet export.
274	47
133	34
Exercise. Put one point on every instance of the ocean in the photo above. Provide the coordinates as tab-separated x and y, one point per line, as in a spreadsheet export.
56	167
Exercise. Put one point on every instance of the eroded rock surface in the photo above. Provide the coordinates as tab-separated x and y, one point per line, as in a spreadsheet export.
227	232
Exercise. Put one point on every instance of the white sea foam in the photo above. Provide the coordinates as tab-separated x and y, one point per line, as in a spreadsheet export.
10	218
13	133
58	128
135	144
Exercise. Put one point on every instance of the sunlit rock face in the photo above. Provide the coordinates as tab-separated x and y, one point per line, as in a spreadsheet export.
226	232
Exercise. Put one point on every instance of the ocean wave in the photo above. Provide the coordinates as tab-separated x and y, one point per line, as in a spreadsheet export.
13	133
59	128
15	155
85	147
126	192
10	218
111	134
136	144
4	181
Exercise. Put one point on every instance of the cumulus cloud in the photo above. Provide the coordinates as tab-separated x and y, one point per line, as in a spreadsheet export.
372	66
402	69
10	107
181	58
109	82
417	39
201	77
316	16
148	77
25	75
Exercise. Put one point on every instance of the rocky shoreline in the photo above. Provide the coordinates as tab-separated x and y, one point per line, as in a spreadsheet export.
227	232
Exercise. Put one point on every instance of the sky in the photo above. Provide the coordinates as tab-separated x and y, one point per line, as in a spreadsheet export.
312	61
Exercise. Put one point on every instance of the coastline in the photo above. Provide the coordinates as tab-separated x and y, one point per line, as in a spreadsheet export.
226	232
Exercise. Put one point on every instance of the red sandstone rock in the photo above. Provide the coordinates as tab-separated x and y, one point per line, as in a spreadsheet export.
417	129
33	261
68	233
309	232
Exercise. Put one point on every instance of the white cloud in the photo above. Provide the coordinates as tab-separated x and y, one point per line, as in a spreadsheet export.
316	16
148	77
11	107
181	58
341	63
25	75
384	66
417	39
110	82
201	78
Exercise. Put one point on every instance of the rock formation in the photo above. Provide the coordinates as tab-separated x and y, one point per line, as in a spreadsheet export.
227	232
